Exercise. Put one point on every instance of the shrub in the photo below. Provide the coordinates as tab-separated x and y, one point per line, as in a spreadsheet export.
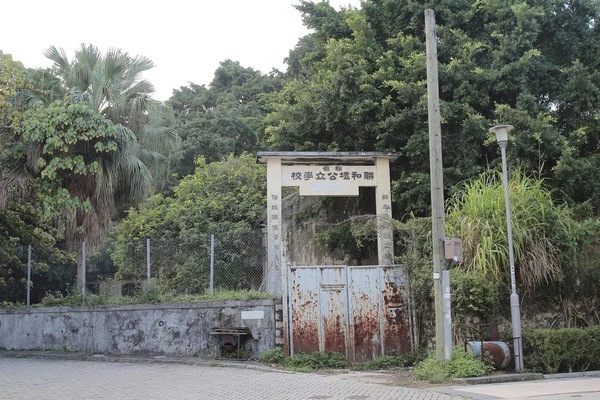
461	365
561	350
272	356
431	371
153	296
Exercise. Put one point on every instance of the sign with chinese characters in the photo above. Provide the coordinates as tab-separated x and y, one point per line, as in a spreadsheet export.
328	180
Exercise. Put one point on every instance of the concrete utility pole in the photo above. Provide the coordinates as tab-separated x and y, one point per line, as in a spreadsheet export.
438	219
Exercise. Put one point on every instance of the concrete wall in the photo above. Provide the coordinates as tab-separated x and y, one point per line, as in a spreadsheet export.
170	329
300	249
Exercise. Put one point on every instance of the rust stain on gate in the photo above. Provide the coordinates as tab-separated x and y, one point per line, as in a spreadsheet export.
364	306
305	311
334	325
396	323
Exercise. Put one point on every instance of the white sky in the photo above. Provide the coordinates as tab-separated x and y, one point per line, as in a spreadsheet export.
185	39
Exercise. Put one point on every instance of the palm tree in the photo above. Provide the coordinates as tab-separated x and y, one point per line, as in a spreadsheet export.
112	85
109	85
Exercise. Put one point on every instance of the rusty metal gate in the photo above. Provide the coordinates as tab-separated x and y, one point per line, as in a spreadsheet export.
357	310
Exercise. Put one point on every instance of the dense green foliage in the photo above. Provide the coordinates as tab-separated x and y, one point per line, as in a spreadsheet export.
357	82
12	80
226	197
22	225
361	85
89	141
541	229
461	365
223	118
272	356
562	350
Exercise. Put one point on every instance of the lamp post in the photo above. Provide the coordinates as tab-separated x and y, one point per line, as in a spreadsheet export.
501	132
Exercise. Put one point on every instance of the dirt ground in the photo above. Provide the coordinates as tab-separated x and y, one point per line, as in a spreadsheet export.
394	377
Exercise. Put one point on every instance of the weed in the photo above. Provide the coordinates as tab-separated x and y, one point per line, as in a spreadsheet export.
461	365
272	356
153	296
392	361
304	362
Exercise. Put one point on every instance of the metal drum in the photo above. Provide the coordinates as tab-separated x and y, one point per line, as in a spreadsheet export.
499	352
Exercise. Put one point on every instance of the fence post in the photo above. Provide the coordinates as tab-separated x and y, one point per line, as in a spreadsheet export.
148	261
212	264
83	273
28	275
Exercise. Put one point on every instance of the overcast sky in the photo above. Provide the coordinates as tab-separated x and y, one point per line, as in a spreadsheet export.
185	39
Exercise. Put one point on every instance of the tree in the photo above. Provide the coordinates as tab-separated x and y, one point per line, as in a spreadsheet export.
227	197
12	81
223	118
22	225
523	63
112	85
79	161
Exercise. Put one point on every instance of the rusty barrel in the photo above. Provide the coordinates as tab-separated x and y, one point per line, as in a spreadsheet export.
499	352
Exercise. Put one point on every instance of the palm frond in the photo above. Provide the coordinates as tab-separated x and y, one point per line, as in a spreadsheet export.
61	61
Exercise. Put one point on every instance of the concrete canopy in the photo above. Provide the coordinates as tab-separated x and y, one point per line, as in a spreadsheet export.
327	158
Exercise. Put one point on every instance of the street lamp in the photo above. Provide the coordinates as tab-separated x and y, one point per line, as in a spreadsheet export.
501	132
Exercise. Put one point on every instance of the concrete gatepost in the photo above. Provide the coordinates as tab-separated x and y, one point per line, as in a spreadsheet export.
383	200
275	270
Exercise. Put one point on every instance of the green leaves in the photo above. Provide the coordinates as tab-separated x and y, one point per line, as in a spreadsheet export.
226	198
72	140
224	118
476	214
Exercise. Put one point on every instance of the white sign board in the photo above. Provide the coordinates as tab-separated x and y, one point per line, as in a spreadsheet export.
328	180
253	314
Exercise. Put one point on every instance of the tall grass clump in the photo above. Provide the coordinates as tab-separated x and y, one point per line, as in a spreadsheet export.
476	214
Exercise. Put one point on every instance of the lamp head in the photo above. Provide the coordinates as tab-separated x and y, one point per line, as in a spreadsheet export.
501	132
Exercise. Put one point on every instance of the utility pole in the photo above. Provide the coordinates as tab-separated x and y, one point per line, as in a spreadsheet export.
438	219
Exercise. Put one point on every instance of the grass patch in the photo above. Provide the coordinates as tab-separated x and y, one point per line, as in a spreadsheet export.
461	365
152	296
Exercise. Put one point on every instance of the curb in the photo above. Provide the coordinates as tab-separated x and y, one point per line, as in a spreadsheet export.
569	375
482	380
136	359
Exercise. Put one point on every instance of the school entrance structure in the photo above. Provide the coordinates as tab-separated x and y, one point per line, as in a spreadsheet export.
360	311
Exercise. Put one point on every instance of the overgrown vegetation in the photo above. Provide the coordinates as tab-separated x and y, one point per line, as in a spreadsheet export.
461	365
392	361
226	198
304	362
476	215
562	350
153	296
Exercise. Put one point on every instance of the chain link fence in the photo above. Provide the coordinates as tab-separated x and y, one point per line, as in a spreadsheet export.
49	276
197	265
223	261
